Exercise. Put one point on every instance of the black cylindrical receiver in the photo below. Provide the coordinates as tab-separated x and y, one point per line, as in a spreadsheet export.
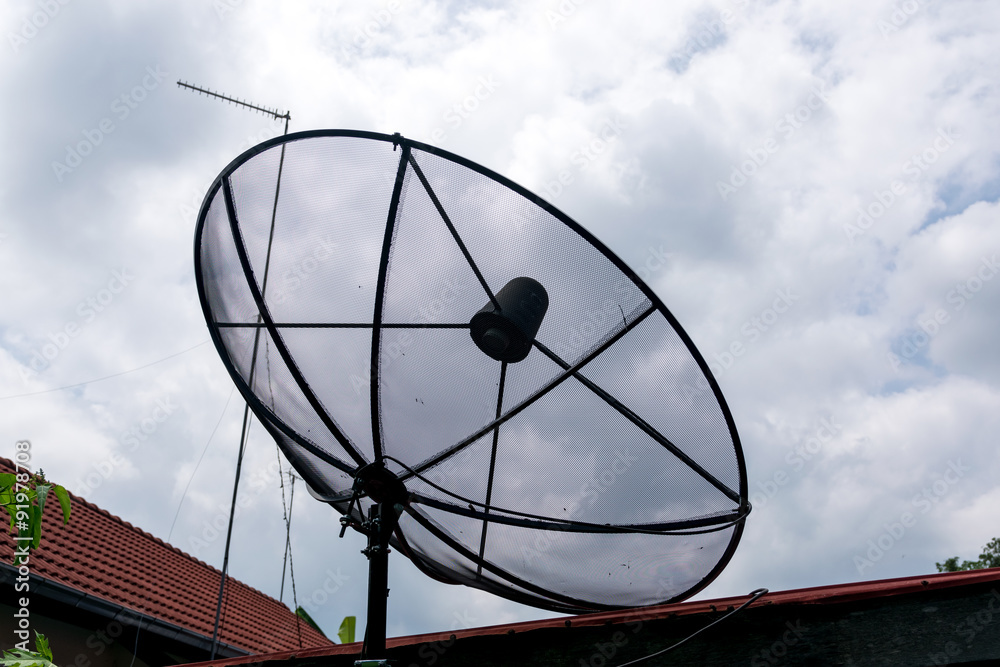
507	334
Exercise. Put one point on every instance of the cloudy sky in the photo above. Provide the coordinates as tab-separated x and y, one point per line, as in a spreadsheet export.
811	187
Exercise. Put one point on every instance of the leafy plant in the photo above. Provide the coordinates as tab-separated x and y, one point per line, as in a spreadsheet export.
23	495
989	558
304	615
346	632
40	657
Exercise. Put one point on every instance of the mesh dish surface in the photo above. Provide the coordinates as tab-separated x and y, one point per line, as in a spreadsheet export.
602	471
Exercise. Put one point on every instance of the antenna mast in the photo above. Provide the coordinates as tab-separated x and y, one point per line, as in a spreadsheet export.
245	431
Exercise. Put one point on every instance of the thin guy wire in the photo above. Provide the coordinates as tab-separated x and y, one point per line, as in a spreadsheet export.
754	596
247	418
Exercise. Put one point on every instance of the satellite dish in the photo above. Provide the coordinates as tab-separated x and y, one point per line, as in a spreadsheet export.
468	375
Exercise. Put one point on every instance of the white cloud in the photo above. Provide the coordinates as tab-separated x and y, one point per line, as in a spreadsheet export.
887	94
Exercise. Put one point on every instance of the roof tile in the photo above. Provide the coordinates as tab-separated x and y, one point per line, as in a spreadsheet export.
144	573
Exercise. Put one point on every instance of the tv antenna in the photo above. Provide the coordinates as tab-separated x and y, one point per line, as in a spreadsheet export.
245	430
468	376
274	113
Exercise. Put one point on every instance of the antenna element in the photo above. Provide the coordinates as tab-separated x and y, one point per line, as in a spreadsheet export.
264	110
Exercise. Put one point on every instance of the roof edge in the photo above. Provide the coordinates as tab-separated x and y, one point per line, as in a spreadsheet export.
5	462
828	594
69	596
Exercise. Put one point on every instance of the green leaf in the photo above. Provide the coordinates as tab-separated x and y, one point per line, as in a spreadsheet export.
950	565
42	645
63	497
11	509
43	492
35	527
20	658
304	615
346	632
32	504
8	495
989	558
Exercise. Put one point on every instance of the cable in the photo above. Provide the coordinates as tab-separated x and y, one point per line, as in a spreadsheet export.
198	464
288	525
138	631
244	436
583	524
247	417
183	496
106	377
754	595
291	566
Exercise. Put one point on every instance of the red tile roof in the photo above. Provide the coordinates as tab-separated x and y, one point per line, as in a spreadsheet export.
819	595
98	553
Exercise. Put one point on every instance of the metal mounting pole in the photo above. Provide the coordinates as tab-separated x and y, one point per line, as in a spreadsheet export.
382	522
389	496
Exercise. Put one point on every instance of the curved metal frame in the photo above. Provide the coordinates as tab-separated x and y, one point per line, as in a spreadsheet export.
407	163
